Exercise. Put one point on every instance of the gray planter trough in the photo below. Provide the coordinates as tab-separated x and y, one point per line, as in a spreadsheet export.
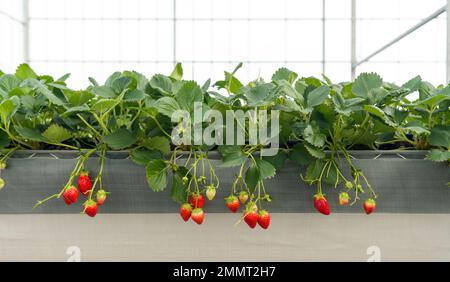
403	180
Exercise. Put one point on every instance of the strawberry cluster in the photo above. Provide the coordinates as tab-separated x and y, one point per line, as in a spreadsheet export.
194	209
84	184
322	206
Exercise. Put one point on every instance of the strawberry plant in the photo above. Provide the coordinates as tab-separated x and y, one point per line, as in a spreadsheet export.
313	121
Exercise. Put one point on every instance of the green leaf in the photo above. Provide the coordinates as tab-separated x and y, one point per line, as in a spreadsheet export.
434	100
313	171
438	155
316	153
313	136
260	95
41	88
284	74
161	83
8	108
416	127
189	93
317	96
159	143
143	156
177	72
278	160
103	105
252	177
157	175
24	71
440	136
120	139
134	96
265	169
365	83
56	133
166	106
121	84
30	134
413	84
300	155
8	82
78	98
4	139
104	91
179	191
232	156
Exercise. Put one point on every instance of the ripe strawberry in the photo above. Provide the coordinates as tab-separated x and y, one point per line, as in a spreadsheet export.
84	183
232	203
344	198
90	208
101	197
196	200
70	195
243	197
251	218
369	206
264	219
185	211
210	192
321	204
198	215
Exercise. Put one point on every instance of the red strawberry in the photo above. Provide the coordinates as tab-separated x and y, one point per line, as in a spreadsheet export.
70	195
243	197
185	211
198	215
101	197
196	200
232	203
84	183
344	198
251	218
264	219
90	208
369	206
321	204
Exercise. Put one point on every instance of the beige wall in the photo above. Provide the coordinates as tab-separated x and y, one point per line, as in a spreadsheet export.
165	237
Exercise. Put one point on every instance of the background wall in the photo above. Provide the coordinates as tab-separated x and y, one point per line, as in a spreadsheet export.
97	37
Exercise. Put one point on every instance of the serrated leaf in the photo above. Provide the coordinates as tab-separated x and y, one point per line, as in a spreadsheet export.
315	152
438	155
103	105
24	71
56	133
104	91
121	84
252	177
161	83
30	134
158	143
284	74
260	95
313	136
189	93
413	84
300	155
143	156
8	82
265	169
157	174
78	98
8	108
134	96
120	139
440	136
317	96
365	83
179	191
416	127
166	106
41	88
232	156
